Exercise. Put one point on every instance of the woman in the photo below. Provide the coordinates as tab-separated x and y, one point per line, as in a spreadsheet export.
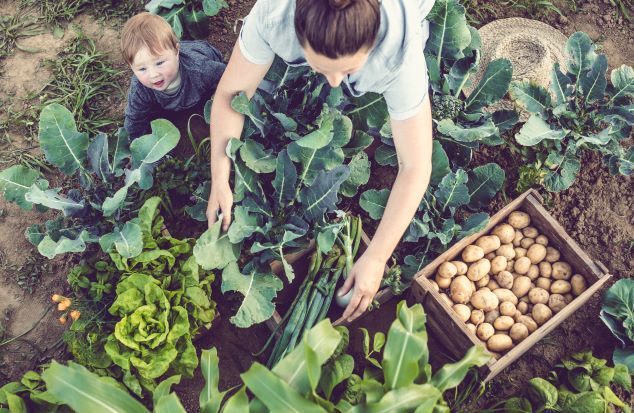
369	46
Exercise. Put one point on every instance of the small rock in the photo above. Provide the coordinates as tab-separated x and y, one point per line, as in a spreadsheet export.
620	20
607	18
563	20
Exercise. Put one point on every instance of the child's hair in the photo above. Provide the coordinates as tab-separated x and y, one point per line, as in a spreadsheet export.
336	28
146	30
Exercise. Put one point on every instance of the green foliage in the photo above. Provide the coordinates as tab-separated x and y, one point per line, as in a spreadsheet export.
617	313
188	18
109	170
581	383
579	111
28	394
446	107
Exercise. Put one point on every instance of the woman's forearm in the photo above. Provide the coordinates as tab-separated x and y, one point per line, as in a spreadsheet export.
408	190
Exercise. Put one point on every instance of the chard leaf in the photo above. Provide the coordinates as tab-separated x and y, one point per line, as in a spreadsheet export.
487	132
243	105
198	211
452	191
560	85
536	130
50	198
50	248
120	149
285	179
504	119
314	161
243	225
256	158
16	182
622	81
493	85
320	137
112	203
246	181
128	241
531	96
581	50
439	163
484	182
593	84
373	201
62	144
327	235
359	142
449	32
155	5
321	196
385	155
417	229
214	250
370	111
98	157
359	167
460	73
149	149
563	172
258	290
473	224
213	7
288	123
197	23
618	301
341	131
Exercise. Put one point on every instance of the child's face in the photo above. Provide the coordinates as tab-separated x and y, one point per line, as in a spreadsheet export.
155	71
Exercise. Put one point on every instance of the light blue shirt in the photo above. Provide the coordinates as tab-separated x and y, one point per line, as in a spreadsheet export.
395	68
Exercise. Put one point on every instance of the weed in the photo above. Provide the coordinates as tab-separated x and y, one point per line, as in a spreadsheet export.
85	82
55	12
624	6
476	12
15	27
530	176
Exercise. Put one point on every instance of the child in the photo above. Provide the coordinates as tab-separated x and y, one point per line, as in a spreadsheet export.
169	76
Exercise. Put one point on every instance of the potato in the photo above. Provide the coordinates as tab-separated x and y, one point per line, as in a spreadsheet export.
434	285
507	308
528	322
541	313
503	323
518	332
484	331
556	302
538	296
526	242
446	299
518	238
578	284
479	269
447	270
504	279
536	253
520	252
522	307
561	270
499	342
491	316
504	232
488	243
504	294
533	272
560	287
461	290
544	283
552	255
530	232
492	285
524	299
477	317
521	285
545	269
506	251
471	328
482	282
568	297
472	253
484	300
490	256
498	264
522	265
461	267
443	282
519	219
510	265
463	312
542	240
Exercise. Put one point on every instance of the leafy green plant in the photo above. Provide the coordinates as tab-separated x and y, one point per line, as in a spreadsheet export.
617	312
13	28
188	18
580	383
28	394
96	207
578	111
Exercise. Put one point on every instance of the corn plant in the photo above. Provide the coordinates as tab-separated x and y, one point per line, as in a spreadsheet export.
579	111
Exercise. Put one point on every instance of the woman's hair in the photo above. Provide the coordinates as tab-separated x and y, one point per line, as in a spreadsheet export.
336	28
146	30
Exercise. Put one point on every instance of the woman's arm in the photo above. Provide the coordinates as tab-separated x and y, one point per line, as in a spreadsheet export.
413	141
240	76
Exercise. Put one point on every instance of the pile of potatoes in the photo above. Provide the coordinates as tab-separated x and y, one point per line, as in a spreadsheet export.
508	283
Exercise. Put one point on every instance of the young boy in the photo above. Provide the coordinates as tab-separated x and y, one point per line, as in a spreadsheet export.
169	76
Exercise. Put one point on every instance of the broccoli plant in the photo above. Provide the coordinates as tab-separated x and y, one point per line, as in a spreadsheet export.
579	111
109	171
189	19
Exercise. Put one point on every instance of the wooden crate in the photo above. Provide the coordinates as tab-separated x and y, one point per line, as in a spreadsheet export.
382	296
443	322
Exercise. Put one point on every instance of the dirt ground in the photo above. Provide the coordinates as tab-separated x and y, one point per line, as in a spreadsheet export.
596	211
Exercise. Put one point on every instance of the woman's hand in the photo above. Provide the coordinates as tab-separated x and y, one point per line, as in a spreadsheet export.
220	198
365	276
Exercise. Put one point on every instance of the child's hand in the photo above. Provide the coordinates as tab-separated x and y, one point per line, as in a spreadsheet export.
220	198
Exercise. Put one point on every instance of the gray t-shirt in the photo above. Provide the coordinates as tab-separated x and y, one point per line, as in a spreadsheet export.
200	69
395	68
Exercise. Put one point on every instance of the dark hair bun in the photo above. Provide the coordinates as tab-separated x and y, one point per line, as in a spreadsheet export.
340	4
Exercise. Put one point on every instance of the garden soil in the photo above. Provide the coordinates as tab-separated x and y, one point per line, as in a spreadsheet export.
596	211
